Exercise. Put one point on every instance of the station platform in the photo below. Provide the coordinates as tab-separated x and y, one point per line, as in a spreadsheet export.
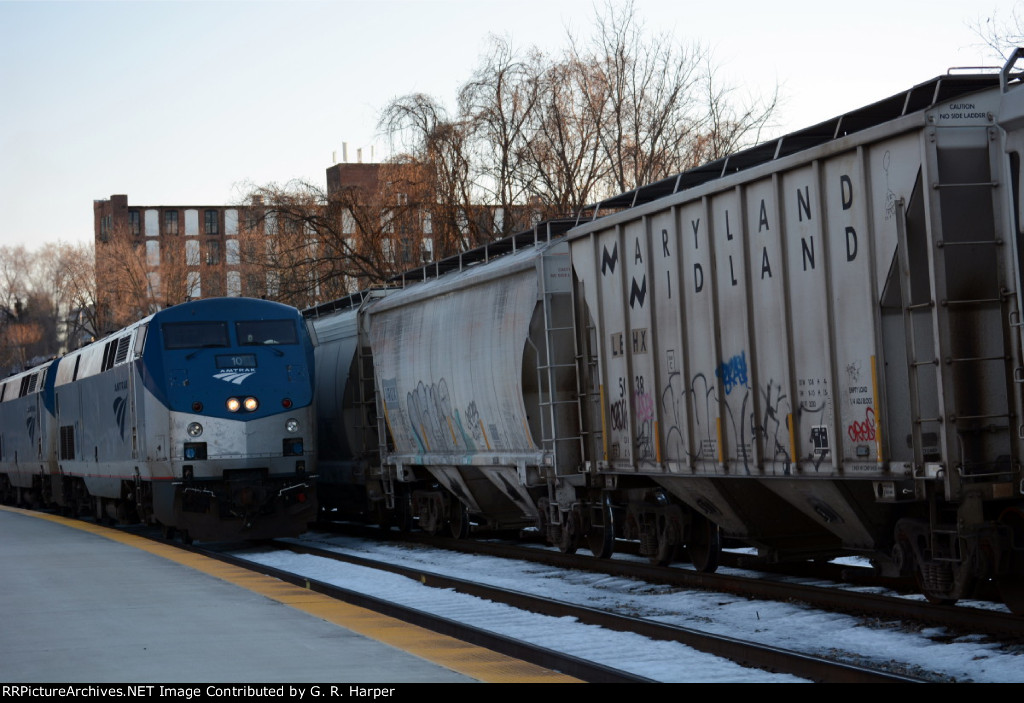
83	603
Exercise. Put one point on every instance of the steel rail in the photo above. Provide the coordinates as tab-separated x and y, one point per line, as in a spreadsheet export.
588	671
750	654
975	620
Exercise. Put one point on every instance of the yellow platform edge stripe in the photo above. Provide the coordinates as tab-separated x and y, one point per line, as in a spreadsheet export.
471	660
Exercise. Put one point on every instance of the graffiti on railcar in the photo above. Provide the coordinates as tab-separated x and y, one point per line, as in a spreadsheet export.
434	424
643	407
775	423
733	373
673	402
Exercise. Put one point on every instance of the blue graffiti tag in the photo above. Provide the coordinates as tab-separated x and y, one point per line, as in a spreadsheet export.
733	372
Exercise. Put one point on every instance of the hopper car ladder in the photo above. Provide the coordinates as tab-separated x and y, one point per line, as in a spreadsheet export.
965	396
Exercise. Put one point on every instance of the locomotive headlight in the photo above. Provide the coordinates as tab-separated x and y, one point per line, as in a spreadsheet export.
292	425
194	429
251	403
234	404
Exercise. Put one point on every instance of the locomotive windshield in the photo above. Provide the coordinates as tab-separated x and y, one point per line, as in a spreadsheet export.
195	335
252	332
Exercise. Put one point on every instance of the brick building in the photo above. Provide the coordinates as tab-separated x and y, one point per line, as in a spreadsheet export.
168	254
153	256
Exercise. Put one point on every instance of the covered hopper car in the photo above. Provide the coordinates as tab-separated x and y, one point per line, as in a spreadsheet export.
813	346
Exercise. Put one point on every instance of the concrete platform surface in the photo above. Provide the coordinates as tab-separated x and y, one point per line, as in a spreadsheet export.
80	605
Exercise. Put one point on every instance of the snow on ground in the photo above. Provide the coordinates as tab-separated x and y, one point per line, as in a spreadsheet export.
917	651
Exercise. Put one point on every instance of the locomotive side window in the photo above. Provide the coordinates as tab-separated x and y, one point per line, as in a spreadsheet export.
195	335
140	339
252	332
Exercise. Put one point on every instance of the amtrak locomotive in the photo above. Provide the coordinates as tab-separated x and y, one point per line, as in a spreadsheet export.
199	418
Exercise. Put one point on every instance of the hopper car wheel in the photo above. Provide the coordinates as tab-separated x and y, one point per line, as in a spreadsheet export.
432	514
705	544
459	523
569	536
668	545
601	538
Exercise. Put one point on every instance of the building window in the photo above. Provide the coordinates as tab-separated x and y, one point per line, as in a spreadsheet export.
191	253
134	225
105	222
252	220
193	285
151	223
191	223
428	223
213	253
171	222
232	252
231	222
153	283
348	223
211	222
234	284
152	253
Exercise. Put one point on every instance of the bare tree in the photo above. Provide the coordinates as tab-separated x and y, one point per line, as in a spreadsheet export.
499	104
15	266
301	247
564	165
63	275
425	137
999	33
48	300
542	135
136	277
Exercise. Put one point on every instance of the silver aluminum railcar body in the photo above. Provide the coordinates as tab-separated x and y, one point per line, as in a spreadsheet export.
475	372
27	459
153	422
816	352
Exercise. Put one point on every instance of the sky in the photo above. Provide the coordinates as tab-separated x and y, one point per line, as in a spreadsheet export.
184	103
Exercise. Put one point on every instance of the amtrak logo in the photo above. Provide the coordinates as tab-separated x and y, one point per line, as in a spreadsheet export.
30	424
120	409
235	376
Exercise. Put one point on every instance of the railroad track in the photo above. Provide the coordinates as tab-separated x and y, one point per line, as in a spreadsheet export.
998	622
583	669
745	653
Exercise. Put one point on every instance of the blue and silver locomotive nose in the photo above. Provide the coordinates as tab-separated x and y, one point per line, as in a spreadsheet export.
239	397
